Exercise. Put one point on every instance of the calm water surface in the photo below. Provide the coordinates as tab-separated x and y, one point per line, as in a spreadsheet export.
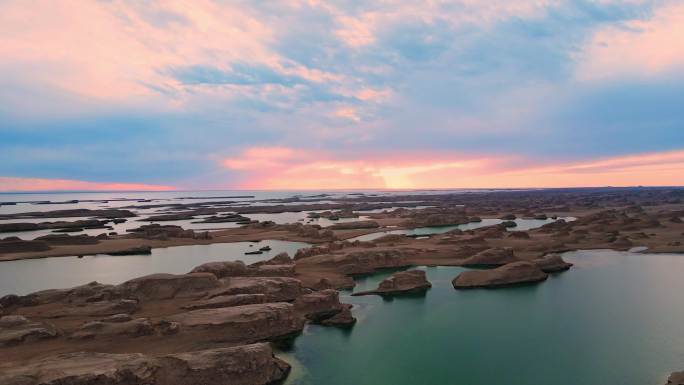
26	276
103	200
616	318
522	225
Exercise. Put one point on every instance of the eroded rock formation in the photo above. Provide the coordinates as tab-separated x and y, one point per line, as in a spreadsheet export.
239	365
403	282
514	273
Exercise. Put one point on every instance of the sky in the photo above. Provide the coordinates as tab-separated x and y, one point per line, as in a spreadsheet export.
305	94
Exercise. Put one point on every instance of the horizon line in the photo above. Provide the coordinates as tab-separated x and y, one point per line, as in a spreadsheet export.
337	189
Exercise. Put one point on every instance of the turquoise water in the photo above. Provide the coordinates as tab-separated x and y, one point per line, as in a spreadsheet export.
29	275
616	318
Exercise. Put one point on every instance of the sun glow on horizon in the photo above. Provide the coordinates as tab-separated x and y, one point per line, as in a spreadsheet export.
303	169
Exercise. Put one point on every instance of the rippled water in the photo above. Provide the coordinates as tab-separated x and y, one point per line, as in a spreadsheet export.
615	318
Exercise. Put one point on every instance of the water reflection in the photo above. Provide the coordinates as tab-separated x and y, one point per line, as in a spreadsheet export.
26	276
522	225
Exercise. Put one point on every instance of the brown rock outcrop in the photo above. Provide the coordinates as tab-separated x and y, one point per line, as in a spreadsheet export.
272	270
21	226
510	274
366	262
226	218
16	329
676	378
359	262
101	213
95	329
167	286
496	231
279	259
252	323
622	243
341	282
66	239
122	317
138	250
491	257
435	216
319	305
96	309
354	225
275	289
239	365
164	232
239	269
92	292
343	319
16	245
169	217
403	282
63	225
222	269
330	248
552	263
299	229
227	301
519	234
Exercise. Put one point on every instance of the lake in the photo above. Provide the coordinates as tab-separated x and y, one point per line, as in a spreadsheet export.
26	276
29	275
615	318
522	225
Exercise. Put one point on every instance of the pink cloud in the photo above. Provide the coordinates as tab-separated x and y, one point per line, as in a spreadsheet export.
115	50
361	29
257	158
41	184
112	51
645	47
288	168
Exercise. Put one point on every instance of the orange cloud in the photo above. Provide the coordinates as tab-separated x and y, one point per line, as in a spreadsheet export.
286	168
41	184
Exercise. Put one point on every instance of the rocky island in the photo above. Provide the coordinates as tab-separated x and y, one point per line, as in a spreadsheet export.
404	282
514	273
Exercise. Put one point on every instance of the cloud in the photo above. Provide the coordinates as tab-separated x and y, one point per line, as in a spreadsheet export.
178	93
288	168
639	47
239	74
39	184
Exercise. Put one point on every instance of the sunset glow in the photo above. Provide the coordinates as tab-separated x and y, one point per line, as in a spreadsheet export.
303	170
37	184
309	94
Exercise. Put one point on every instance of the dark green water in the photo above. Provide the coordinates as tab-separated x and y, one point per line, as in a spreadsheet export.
616	318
